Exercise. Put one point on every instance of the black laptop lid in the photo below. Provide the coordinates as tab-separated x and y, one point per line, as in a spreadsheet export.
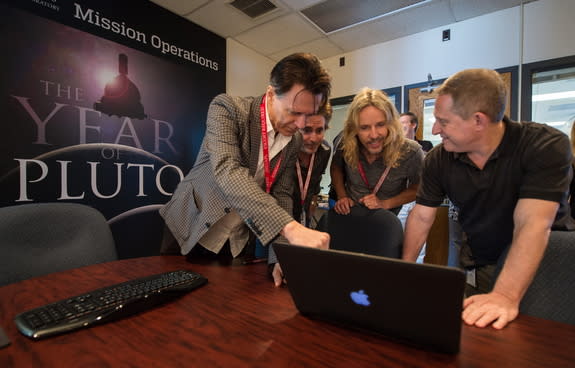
416	303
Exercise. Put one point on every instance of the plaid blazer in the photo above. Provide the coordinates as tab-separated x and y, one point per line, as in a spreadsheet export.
223	177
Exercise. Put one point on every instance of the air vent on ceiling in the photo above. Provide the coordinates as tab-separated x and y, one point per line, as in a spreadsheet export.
253	8
335	15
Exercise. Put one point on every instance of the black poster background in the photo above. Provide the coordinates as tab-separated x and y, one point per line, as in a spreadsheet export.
58	56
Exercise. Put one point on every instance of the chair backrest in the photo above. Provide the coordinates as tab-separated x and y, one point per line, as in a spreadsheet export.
146	240
551	295
373	232
41	238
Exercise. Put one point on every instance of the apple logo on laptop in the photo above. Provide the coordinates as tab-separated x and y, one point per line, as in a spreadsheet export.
360	297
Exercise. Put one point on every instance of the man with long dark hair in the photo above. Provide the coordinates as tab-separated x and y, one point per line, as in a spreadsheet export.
243	176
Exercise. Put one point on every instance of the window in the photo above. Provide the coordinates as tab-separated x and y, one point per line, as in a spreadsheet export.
428	120
553	98
548	93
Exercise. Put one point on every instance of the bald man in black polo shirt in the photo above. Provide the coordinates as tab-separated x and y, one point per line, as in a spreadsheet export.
509	182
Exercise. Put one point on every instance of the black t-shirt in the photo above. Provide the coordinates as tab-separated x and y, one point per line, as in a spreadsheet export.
532	161
426	146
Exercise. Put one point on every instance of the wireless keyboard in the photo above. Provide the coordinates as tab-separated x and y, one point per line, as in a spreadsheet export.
107	304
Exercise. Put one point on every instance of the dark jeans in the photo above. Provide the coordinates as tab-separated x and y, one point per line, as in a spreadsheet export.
485	275
484	280
201	255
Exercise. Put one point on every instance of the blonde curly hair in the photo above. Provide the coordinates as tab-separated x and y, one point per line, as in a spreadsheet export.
395	138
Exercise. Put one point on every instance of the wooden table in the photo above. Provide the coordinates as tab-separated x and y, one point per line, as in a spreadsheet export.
240	320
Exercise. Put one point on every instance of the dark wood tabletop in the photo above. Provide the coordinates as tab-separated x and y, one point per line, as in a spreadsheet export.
239	319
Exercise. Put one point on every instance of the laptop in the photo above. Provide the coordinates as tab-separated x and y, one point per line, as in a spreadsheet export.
419	304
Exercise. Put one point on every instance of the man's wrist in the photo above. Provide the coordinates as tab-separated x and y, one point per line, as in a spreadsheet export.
341	195
288	228
510	291
381	203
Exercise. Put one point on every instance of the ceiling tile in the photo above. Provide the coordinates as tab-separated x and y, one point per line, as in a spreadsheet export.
287	31
322	48
465	9
424	17
395	26
358	37
334	15
227	21
180	7
300	4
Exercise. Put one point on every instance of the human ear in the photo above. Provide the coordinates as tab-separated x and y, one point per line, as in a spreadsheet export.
481	120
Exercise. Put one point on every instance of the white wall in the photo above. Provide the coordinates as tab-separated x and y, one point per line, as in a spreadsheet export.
490	41
549	30
247	72
409	59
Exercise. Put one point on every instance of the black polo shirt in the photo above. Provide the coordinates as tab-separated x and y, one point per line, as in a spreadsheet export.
532	161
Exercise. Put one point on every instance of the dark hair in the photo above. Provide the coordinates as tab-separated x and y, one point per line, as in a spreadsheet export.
326	111
301	68
412	119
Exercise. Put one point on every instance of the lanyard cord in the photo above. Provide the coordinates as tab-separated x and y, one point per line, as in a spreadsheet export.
270	177
379	182
304	187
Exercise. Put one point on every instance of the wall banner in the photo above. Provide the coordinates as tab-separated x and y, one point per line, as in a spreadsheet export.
103	103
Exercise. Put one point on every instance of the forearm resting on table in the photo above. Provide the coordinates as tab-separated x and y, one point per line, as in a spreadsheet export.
530	238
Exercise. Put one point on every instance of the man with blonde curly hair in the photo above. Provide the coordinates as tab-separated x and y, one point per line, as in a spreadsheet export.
380	166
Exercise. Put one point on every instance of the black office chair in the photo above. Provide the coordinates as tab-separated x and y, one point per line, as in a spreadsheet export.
144	242
551	295
378	233
41	238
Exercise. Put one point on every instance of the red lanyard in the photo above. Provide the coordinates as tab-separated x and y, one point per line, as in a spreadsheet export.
379	182
270	177
303	188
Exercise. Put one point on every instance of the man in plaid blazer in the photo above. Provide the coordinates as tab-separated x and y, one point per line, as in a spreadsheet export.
243	176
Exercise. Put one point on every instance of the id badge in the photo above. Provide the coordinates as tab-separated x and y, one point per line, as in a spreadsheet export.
302	219
470	277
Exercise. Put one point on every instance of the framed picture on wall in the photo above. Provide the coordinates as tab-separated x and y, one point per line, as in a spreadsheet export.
420	99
